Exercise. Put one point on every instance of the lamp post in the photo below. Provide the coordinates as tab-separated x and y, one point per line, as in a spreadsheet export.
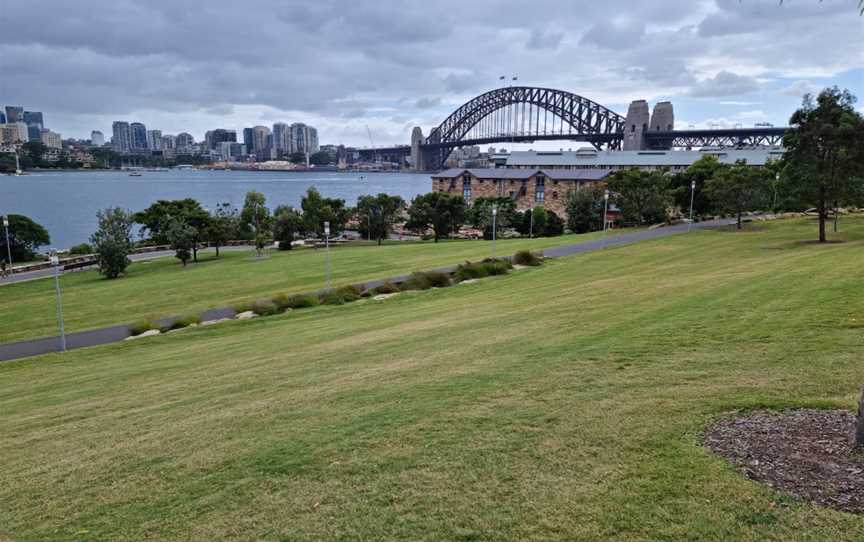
8	245
494	215
605	211
327	248
531	225
692	195
55	261
776	182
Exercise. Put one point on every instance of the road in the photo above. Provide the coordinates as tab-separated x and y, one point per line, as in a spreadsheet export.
80	339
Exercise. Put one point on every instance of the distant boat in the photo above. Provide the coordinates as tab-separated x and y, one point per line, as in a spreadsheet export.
136	174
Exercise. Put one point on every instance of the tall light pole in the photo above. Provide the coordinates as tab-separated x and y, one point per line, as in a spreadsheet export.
531	225
8	245
55	261
494	215
692	195
776	183
605	211
327	248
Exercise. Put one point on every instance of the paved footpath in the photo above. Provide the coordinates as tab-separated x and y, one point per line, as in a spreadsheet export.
80	339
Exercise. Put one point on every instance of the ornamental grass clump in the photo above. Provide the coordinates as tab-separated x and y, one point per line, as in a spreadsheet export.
437	279
186	321
140	327
471	271
417	281
301	301
386	288
526	257
497	266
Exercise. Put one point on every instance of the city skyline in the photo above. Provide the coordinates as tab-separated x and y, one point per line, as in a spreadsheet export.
347	71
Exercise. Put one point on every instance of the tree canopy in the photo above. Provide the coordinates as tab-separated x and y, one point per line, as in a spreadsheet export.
112	241
642	196
25	238
318	209
584	207
377	214
739	188
443	213
287	223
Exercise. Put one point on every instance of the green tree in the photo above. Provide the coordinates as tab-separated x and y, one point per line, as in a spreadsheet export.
159	216
443	213
480	214
112	241
321	158
297	158
824	159
34	150
287	222
584	208
700	172
223	225
377	214
739	188
256	218
25	238
182	238
317	210
642	196
554	225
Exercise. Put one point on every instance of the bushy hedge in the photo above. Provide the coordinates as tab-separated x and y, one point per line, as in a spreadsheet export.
140	327
81	250
526	257
342	295
265	307
497	266
417	281
386	288
186	321
437	279
300	301
479	270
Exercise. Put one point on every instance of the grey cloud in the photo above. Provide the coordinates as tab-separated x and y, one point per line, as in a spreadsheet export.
724	84
426	103
613	36
540	39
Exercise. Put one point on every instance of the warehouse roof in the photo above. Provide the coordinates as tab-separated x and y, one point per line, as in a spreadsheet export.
524	174
617	159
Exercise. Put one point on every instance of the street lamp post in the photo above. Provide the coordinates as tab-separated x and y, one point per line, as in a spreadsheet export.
8	245
776	182
692	195
605	211
494	215
327	248
55	261
531	225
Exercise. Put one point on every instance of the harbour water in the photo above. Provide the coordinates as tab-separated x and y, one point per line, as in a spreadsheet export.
66	202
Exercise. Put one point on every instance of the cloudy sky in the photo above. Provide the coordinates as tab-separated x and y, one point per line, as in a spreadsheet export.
342	65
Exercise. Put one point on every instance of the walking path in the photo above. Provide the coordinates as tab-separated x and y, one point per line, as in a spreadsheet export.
80	339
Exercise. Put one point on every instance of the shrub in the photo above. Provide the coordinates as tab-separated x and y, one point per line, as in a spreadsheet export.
140	327
469	271
282	301
437	279
300	301
82	249
386	288
185	321
350	293
526	257
332	298
264	307
497	266
417	281
244	306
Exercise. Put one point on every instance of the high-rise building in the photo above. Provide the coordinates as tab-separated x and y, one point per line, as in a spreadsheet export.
213	138
2	117
35	124
139	136
9	134
51	139
304	138
247	138
154	140
184	141
281	137
169	142
122	138
14	113
260	137
97	139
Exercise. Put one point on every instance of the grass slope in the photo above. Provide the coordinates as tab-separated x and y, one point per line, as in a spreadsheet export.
562	402
163	287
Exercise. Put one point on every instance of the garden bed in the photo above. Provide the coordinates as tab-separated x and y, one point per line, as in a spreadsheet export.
807	453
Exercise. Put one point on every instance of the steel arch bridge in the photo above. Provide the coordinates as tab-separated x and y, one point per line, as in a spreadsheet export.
527	114
523	114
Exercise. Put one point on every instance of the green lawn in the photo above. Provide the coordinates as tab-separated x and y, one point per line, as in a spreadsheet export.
563	402
163	287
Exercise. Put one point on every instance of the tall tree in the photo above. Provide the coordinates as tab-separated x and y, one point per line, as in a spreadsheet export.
480	214
584	208
699	172
377	214
112	241
287	222
256	218
824	159
740	188
182	238
25	238
317	210
443	213
223	225
642	196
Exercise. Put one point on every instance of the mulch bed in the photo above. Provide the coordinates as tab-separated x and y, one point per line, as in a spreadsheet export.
804	452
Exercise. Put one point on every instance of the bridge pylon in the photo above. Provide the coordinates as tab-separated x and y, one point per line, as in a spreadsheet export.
417	158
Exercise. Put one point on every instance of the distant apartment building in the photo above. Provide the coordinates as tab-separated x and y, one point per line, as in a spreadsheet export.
184	141
97	139
139	136
13	133
247	138
260	139
14	113
282	138
214	138
169	142
51	139
231	150
2	117
303	138
122	136
154	140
